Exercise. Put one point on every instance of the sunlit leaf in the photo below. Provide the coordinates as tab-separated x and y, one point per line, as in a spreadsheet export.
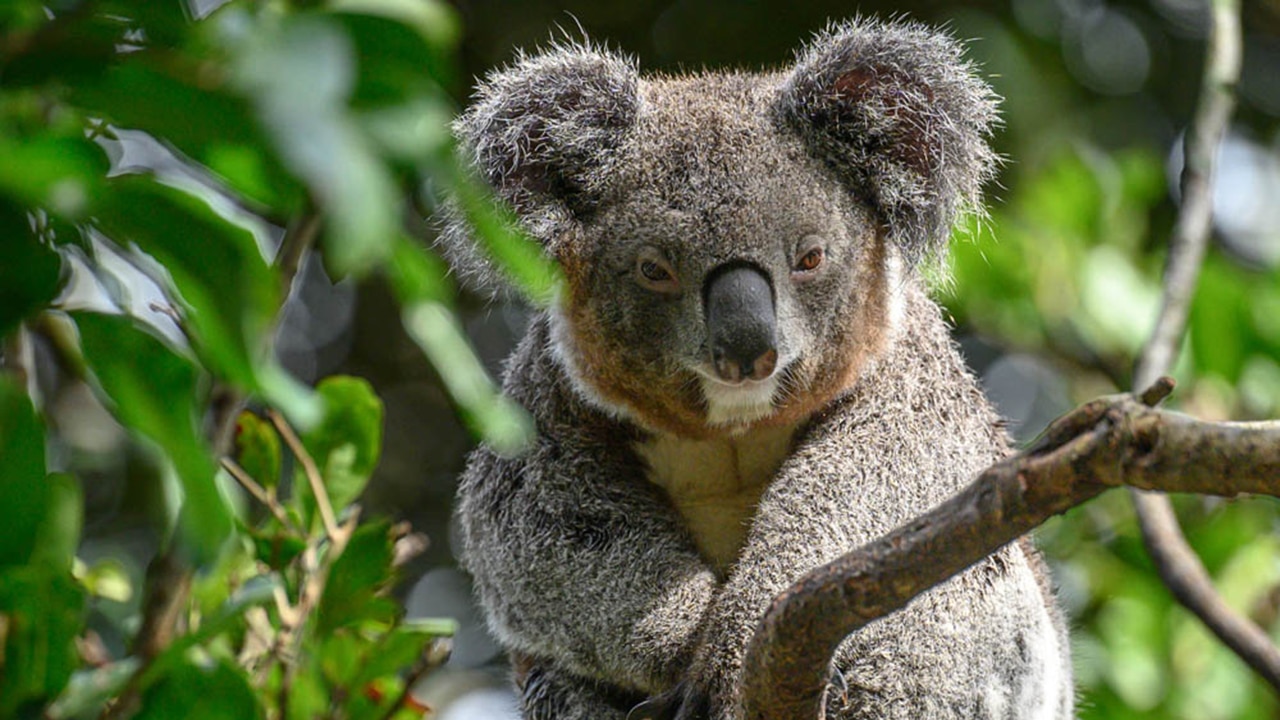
347	441
107	579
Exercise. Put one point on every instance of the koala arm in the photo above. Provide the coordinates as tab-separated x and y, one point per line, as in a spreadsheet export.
862	468
577	558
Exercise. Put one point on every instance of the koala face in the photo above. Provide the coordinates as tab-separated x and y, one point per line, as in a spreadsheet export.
725	277
733	244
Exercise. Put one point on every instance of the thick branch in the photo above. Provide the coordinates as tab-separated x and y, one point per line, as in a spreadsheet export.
1107	443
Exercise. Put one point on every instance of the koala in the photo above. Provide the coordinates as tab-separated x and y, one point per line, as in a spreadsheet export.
743	378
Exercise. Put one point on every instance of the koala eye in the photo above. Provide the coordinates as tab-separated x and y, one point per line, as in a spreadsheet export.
810	261
653	272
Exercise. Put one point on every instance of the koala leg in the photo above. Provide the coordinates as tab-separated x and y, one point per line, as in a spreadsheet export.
548	693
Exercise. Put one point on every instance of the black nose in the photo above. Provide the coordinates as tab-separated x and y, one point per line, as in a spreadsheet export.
741	323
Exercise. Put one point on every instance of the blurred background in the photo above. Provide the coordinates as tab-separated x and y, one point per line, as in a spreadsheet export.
1051	297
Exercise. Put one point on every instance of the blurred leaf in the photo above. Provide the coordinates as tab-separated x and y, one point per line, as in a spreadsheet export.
356	577
215	265
435	21
259	449
496	230
308	697
347	441
299	75
501	423
397	63
275	546
402	646
417	274
217	690
90	689
197	117
341	654
43	611
108	579
59	173
258	590
30	271
24	494
58	535
151	389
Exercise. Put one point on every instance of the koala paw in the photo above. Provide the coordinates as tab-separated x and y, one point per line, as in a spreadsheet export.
685	701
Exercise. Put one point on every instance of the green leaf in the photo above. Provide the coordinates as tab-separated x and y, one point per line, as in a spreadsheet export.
197	116
30	271
417	274
24	494
496	230
357	576
402	646
58	535
217	690
152	390
217	269
43	612
299	75
308	698
502	424
106	579
90	689
276	547
347	441
57	173
259	449
435	21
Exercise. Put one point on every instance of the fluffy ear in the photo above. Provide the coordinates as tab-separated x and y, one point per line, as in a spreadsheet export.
544	130
903	119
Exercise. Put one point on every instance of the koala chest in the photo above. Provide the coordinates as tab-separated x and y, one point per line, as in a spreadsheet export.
716	484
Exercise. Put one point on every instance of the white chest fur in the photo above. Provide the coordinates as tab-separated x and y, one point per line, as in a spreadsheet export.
716	484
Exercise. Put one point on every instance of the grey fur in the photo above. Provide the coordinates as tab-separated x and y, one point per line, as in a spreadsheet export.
591	552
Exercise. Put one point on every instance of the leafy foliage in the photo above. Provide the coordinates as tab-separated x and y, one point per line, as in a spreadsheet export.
316	117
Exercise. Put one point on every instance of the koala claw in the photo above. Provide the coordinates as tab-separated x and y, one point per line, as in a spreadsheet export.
682	702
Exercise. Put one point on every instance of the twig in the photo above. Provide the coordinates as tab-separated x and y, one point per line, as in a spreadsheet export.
1104	444
310	470
173	574
1174	559
260	494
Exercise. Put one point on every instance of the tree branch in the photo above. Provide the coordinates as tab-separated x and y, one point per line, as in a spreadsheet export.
1107	443
1175	561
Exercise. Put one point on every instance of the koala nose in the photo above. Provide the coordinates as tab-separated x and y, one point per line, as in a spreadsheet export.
741	323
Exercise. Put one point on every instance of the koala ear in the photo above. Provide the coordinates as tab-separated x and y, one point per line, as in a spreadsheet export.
903	119
543	130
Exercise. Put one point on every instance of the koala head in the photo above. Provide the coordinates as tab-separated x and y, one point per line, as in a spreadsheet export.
734	245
